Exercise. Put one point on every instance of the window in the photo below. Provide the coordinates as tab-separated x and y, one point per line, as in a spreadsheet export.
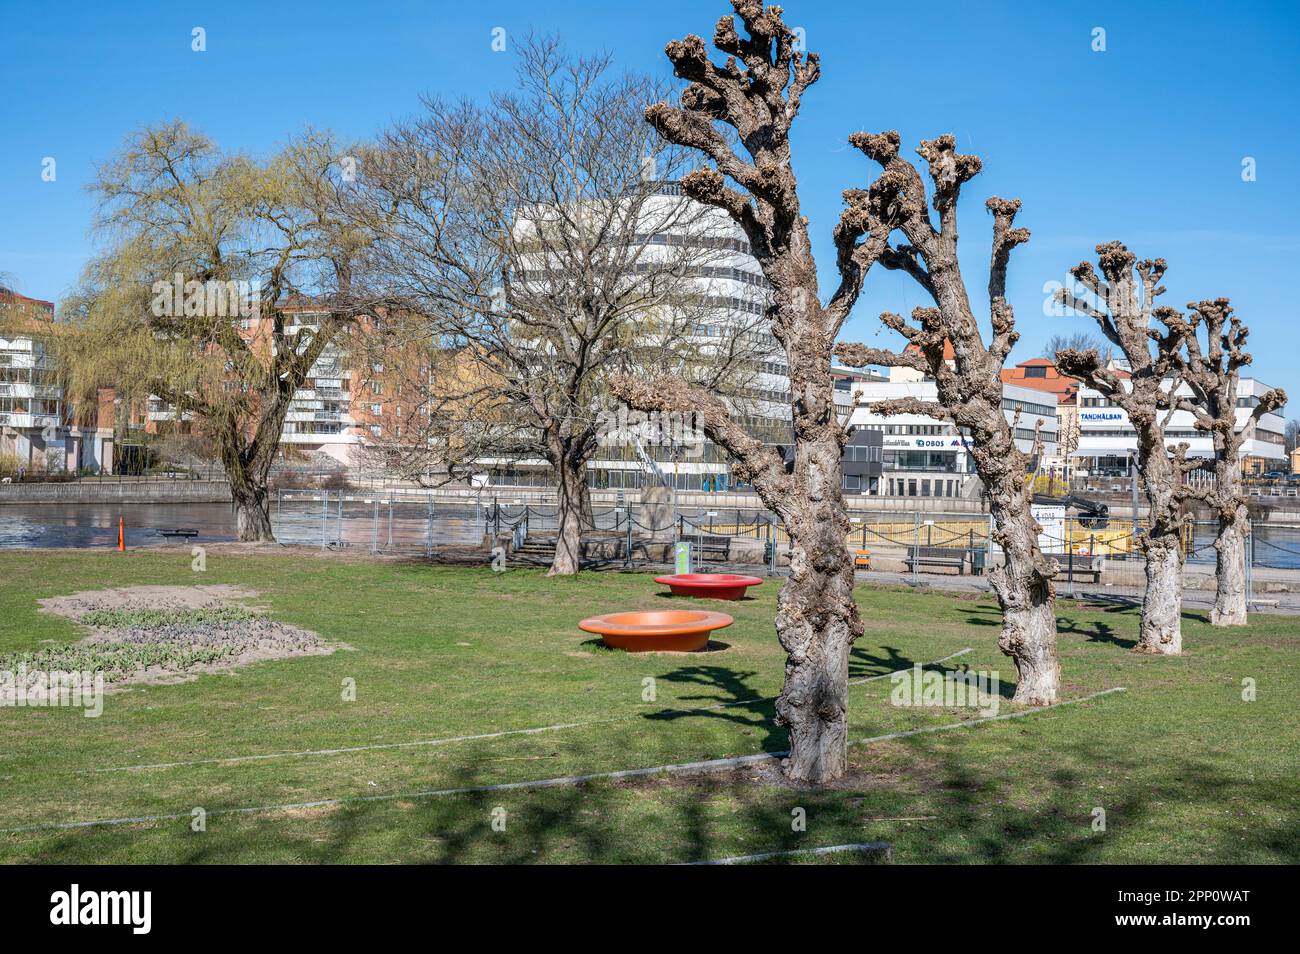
376	409
1037	371
374	429
376	387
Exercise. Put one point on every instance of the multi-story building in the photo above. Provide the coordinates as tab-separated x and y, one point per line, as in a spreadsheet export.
928	457
730	297
1097	438
327	415
39	429
1108	442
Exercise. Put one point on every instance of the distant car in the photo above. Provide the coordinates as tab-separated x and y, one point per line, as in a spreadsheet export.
1274	475
1293	478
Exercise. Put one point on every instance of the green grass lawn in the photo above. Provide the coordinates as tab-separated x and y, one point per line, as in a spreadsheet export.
1184	769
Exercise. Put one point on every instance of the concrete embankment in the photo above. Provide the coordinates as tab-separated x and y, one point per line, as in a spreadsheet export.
112	491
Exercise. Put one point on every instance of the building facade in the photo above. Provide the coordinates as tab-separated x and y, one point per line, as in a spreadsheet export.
40	430
1108	443
1098	440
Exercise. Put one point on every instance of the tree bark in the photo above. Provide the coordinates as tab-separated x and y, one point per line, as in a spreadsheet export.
1022	585
1160	632
1230	555
817	619
252	506
571	497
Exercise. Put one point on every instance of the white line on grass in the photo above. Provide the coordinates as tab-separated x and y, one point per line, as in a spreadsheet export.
448	740
872	847
684	768
982	719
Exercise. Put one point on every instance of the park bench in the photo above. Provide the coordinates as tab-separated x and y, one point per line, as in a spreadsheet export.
702	544
936	556
1076	565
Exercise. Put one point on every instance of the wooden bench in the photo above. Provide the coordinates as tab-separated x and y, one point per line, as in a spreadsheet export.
936	556
1076	565
702	544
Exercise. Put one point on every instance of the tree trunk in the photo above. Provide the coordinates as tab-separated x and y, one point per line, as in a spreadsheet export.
817	618
586	512
571	494
1230	564
252	506
1023	586
1161	630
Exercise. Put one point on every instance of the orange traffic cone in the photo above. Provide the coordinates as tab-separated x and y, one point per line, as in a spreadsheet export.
121	534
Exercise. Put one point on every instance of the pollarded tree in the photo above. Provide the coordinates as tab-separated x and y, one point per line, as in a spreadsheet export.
209	260
748	105
969	388
1212	373
1123	306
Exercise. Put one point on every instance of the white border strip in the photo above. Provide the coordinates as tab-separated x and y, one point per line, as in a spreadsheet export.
684	768
448	740
883	847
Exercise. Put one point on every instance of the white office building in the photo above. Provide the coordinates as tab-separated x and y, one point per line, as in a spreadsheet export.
732	298
928	457
1107	442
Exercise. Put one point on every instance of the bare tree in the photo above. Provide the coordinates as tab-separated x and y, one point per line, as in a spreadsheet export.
210	258
1212	373
969	390
1078	341
1292	435
747	105
1123	307
542	251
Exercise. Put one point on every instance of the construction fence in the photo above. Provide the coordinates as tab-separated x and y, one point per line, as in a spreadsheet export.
1094	556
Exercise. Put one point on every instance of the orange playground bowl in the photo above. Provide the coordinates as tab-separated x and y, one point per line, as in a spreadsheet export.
678	631
717	586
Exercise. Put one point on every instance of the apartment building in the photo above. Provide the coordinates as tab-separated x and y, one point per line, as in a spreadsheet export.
41	431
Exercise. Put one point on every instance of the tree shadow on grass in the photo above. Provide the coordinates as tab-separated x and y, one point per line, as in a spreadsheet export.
863	664
1096	631
1054	823
725	695
977	807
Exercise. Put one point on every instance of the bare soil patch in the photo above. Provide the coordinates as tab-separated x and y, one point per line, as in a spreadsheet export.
165	634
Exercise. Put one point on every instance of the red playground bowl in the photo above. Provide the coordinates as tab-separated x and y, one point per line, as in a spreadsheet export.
678	631
717	586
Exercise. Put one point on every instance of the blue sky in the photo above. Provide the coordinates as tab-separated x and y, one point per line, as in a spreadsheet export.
1143	142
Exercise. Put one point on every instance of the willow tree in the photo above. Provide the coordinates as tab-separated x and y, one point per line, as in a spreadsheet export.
739	115
1122	302
209	261
540	252
1212	373
969	387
